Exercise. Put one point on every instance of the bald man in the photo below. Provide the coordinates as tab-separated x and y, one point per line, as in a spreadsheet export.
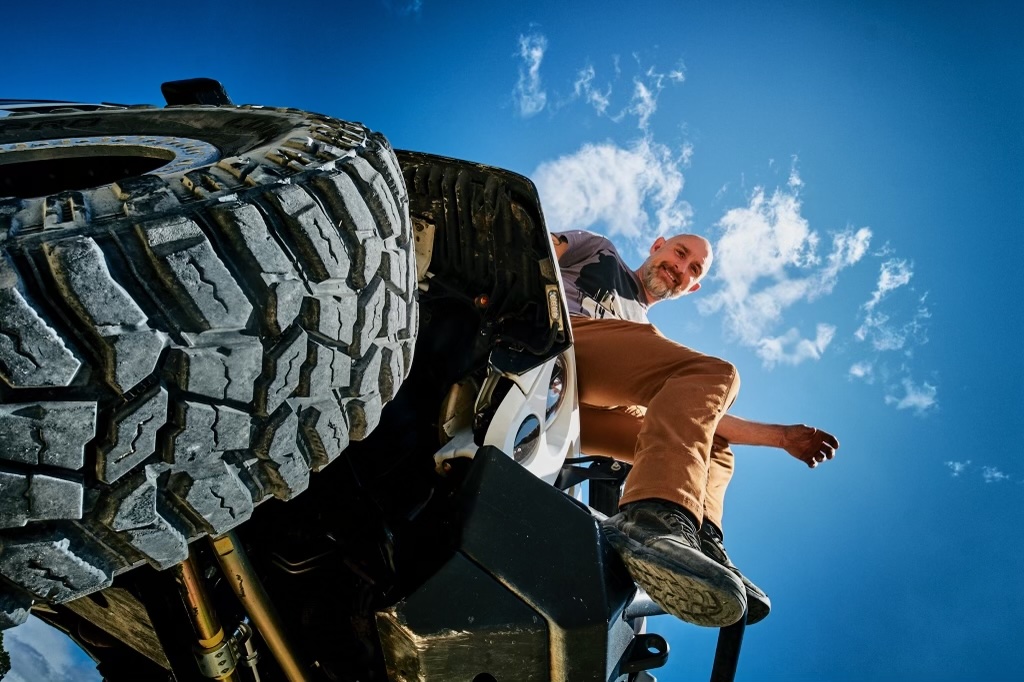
663	407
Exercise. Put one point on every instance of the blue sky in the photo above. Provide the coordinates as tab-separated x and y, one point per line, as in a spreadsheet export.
858	167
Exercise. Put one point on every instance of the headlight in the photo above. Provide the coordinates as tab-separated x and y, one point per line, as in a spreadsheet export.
527	439
556	388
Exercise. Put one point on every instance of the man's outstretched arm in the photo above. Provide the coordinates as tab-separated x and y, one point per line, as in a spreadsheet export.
809	445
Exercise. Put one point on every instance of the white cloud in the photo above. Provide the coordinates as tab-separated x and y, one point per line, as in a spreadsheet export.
885	334
958	468
646	90
848	247
889	322
884	250
773	350
529	94
993	475
643	104
794	182
989	474
632	191
647	85
766	261
583	87
686	154
863	370
894	274
918	398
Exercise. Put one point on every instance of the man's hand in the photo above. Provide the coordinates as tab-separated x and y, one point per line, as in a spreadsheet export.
809	445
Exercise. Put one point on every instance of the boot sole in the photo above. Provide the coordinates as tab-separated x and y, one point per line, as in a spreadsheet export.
715	600
758	605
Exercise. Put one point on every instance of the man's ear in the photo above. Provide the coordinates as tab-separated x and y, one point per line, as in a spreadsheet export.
658	243
696	285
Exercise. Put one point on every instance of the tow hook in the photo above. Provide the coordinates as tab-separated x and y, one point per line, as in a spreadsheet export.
645	652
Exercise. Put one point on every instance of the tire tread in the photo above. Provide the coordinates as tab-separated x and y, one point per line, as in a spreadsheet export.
205	345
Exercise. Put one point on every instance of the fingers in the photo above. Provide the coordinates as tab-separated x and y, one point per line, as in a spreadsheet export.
829	439
825	453
827	445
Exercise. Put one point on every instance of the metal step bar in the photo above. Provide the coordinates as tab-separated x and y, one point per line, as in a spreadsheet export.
604	477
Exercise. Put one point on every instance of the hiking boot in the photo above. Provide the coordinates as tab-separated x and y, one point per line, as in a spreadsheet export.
758	603
658	542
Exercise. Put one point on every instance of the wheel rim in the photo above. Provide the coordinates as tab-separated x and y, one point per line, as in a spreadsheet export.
38	168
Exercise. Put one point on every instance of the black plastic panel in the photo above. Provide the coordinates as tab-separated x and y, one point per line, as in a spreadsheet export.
527	551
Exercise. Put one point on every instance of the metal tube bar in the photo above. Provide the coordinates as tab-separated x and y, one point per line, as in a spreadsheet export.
207	627
727	653
254	598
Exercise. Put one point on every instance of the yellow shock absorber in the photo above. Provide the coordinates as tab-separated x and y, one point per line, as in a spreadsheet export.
254	598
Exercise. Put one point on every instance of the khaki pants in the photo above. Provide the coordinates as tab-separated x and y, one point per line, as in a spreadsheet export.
648	400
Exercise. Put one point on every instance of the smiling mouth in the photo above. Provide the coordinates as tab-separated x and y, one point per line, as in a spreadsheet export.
670	276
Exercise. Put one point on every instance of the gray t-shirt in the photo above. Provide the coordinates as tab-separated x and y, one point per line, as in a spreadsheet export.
597	282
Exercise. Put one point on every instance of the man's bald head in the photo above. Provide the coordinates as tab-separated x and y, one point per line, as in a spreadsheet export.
675	267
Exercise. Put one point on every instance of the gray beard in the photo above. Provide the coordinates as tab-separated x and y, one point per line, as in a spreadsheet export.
655	287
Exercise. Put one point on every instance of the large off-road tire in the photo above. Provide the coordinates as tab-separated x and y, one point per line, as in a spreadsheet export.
198	306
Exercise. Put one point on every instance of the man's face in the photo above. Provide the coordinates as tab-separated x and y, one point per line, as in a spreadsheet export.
675	267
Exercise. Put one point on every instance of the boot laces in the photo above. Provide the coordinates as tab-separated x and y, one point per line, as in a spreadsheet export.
679	523
714	544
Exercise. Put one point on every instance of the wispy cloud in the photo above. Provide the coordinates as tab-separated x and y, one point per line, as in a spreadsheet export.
795	182
895	319
686	154
887	334
989	474
647	87
993	475
632	191
863	370
643	104
584	89
792	349
920	399
766	260
881	329
597	91
894	274
529	94
958	468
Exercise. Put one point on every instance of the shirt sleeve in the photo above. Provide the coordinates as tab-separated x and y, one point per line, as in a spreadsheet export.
582	245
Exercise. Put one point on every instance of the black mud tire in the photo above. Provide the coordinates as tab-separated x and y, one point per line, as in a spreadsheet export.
178	346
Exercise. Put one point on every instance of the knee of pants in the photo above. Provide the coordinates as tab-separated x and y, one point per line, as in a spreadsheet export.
723	368
731	370
730	376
